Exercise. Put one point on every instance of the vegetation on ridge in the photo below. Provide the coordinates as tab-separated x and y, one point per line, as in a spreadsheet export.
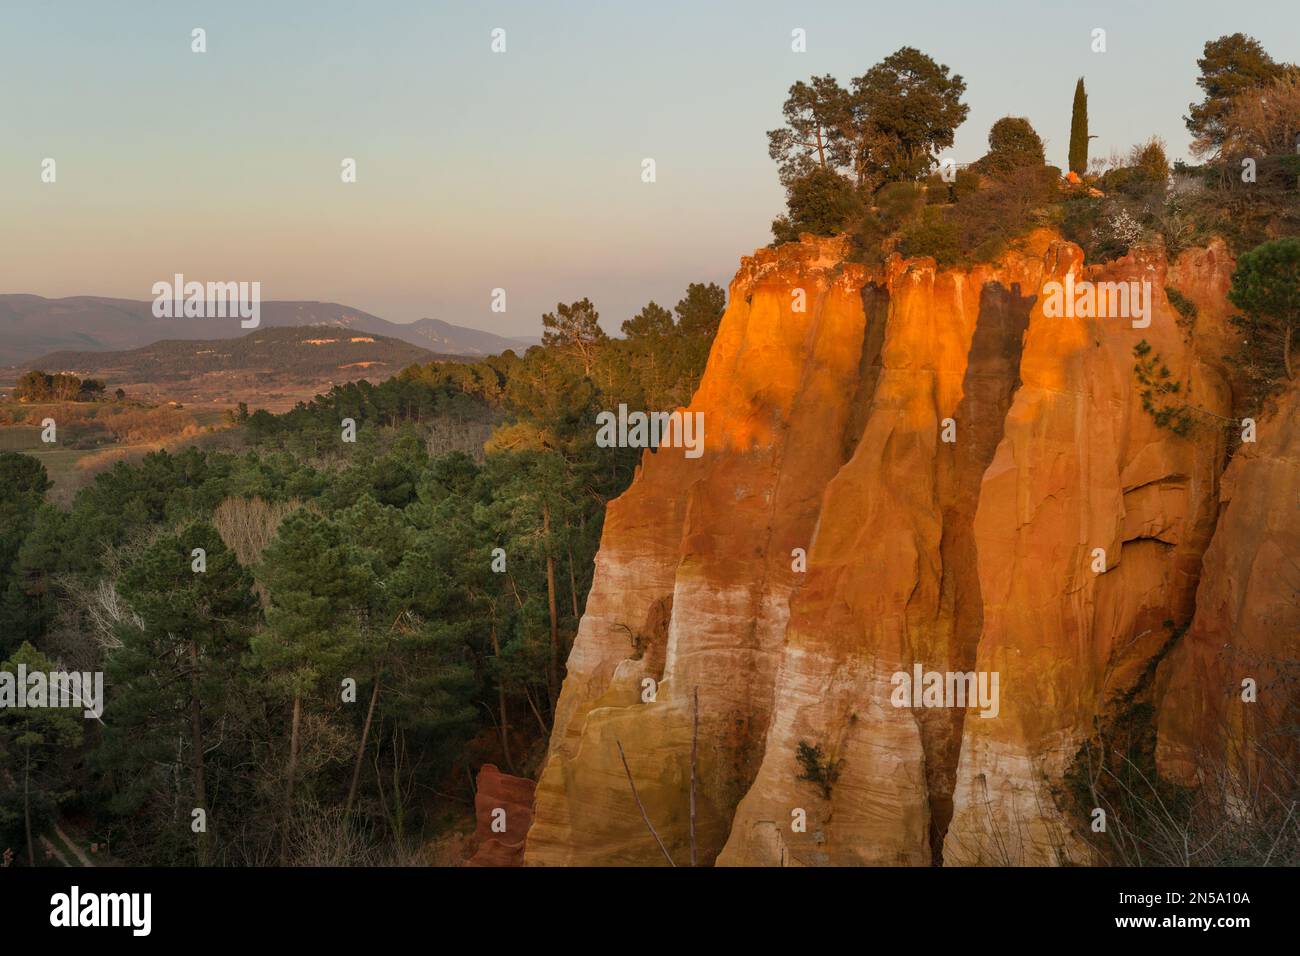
850	168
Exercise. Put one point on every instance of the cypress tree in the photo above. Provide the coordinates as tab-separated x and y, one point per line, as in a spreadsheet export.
1079	130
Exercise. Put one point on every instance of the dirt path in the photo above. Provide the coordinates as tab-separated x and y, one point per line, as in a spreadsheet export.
72	845
52	850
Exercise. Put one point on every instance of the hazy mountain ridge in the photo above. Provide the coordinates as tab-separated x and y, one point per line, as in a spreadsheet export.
308	352
32	326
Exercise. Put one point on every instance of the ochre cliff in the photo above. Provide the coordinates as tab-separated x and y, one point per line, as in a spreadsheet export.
693	577
1081	466
950	458
1246	626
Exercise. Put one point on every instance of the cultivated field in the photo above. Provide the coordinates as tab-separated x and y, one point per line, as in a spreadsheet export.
92	436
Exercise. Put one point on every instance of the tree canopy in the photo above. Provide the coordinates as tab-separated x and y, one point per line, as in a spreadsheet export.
840	145
1230	66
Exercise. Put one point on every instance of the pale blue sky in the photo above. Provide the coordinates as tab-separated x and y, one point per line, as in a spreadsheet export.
519	170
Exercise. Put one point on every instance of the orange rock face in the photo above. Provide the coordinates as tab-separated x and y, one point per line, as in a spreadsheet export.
1081	467
694	576
977	490
1247	624
503	807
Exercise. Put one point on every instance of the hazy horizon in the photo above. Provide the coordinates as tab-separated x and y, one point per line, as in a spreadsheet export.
518	170
265	302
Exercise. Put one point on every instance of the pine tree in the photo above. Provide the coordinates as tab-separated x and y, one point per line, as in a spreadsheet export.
30	739
574	329
1266	287
319	584
382	538
1231	65
25	482
175	676
1079	131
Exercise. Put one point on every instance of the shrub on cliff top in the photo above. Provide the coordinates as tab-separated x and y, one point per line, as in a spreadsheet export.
898	204
933	235
821	202
1012	143
1150	161
985	222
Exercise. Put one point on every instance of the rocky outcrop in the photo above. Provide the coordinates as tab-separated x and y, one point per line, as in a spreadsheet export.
694	574
1230	690
977	489
503	811
1071	628
890	581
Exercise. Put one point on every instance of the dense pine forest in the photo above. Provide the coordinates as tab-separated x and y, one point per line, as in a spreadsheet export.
314	630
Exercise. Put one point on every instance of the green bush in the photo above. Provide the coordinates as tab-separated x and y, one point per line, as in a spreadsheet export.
1266	288
1184	306
1008	206
897	204
1150	160
816	768
821	202
932	235
1158	391
937	191
967	184
1012	143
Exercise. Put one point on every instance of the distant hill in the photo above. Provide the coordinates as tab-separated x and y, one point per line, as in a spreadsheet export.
455	339
303	354
32	326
